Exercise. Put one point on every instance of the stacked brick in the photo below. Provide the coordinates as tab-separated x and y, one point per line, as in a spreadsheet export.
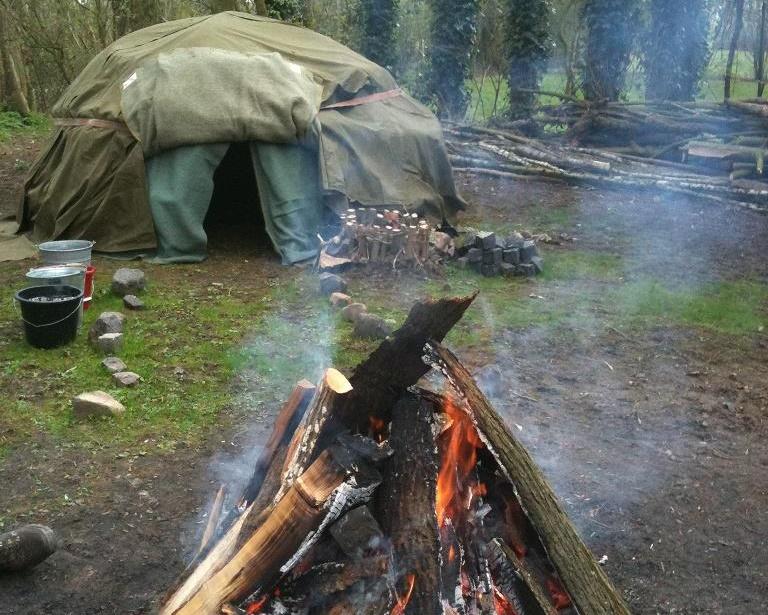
492	256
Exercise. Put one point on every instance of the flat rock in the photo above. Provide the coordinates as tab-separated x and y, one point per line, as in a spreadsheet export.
96	403
132	302
126	379
128	281
107	322
352	311
110	343
332	283
114	365
340	300
371	326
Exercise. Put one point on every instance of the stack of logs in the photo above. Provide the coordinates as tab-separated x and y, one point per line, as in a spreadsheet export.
379	496
386	236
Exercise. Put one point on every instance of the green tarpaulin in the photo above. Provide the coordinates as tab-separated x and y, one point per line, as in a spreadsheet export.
92	181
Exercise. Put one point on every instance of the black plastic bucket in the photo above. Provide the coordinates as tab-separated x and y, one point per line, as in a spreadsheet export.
50	314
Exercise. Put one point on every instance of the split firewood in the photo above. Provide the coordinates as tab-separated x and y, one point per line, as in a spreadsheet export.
285	425
337	481
26	547
586	582
302	448
213	521
405	503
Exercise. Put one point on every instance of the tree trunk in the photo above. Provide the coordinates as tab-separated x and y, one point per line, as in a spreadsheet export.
737	26
587	584
761	50
405	503
14	93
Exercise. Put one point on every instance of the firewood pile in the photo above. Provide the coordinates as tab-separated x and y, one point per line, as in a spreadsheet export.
397	491
712	151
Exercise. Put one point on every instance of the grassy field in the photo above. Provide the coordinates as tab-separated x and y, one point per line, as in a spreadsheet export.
193	341
484	95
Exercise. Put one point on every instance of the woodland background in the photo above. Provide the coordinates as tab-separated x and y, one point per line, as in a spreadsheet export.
473	59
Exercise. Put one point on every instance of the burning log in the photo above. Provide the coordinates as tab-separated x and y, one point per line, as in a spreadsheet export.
587	584
406	502
396	364
213	521
337	481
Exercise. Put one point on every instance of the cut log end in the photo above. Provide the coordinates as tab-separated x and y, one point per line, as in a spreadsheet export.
337	381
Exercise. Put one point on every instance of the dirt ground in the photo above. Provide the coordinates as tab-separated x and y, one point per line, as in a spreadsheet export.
656	440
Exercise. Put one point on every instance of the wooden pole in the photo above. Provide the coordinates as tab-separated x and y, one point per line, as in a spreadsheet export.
587	584
761	51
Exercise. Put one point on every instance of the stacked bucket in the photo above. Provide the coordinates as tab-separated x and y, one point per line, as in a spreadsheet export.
52	306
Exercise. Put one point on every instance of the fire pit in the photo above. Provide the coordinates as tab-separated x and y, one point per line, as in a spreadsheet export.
390	493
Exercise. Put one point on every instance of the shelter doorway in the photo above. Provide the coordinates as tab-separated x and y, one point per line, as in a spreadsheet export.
234	220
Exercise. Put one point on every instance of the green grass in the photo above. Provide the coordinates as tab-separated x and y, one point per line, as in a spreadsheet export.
12	123
731	308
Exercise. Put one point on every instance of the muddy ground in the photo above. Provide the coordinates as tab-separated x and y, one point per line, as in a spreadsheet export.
655	438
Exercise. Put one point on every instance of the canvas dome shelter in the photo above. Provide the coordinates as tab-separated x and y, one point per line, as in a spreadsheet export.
141	132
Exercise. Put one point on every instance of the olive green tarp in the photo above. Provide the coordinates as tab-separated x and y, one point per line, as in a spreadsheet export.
91	182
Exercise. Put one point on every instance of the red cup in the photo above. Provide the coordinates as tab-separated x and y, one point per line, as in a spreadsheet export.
88	287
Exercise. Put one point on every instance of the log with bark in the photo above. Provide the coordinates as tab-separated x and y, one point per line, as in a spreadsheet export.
587	584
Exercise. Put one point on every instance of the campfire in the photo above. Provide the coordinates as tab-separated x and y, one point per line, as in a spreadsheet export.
398	491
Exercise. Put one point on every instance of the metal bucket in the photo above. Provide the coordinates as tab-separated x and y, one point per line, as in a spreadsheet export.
70	251
58	275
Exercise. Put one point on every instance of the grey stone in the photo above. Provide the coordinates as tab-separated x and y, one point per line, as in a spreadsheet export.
26	547
463	262
132	302
493	257
357	532
508	270
371	326
490	270
511	256
485	240
96	403
515	240
353	311
107	322
128	281
538	263
475	255
526	269
528	251
340	300
114	365
110	343
332	283
126	379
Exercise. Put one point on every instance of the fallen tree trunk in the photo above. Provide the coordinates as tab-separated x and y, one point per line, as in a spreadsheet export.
587	584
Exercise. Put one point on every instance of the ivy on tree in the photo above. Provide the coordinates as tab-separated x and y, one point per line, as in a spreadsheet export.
453	34
676	49
527	45
611	27
379	26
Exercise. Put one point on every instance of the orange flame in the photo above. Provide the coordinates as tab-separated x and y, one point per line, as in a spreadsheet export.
401	603
458	460
451	553
560	597
256	607
377	428
501	604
